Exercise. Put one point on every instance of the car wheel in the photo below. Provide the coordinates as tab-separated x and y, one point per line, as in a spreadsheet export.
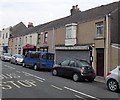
35	67
75	77
23	64
16	62
112	85
54	72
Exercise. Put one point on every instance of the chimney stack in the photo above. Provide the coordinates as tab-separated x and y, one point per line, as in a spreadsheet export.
74	10
30	24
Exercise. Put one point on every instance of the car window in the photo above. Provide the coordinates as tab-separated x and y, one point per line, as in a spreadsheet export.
50	56
65	63
72	63
82	63
7	54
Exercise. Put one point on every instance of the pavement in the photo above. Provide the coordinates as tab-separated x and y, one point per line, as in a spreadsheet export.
100	79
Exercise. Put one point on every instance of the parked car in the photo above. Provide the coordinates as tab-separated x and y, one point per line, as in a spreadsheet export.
38	60
113	79
76	69
6	57
17	59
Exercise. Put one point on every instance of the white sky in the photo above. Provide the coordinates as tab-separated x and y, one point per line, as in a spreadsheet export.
40	11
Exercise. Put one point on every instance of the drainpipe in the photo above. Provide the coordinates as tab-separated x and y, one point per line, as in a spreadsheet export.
107	42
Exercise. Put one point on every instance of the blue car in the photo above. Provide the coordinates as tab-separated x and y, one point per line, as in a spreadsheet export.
38	60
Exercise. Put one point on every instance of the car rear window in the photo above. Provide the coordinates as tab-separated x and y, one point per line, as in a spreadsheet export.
82	63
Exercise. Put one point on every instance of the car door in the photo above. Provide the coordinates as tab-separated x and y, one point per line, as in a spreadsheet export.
13	58
71	68
119	75
64	67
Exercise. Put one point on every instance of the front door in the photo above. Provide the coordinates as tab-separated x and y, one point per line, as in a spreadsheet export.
100	62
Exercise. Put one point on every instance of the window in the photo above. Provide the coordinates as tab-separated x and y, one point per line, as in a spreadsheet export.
50	56
6	35
71	30
65	63
99	29
3	36
30	39
45	37
20	42
68	33
72	63
38	40
26	39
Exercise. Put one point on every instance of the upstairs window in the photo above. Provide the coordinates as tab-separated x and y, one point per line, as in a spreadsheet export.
38	40
45	37
3	36
20	41
26	39
30	39
99	29
6	35
71	31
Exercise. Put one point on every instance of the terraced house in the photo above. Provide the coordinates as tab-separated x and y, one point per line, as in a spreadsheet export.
91	35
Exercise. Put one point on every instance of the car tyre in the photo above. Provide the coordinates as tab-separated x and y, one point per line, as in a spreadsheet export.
16	63
23	64
35	67
113	85
54	72
75	77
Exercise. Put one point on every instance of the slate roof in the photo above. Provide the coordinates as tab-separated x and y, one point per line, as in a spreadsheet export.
19	30
90	14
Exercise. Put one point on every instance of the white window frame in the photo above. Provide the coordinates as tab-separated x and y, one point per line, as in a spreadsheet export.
99	29
71	31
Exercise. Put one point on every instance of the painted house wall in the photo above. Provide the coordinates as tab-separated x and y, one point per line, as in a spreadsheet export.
87	31
60	35
115	60
33	38
5	39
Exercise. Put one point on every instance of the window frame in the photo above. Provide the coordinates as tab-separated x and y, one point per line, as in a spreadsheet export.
99	29
45	37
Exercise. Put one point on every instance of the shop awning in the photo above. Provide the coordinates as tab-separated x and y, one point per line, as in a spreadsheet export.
28	46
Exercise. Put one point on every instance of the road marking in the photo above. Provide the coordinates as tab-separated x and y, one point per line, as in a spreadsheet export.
33	76
9	66
18	71
39	80
56	87
80	97
81	93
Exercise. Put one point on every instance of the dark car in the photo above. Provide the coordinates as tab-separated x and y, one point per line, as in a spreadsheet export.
76	69
17	59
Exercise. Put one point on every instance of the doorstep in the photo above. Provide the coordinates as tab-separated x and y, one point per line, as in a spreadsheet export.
100	79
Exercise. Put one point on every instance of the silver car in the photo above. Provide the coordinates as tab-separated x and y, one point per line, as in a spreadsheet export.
6	57
113	79
17	59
